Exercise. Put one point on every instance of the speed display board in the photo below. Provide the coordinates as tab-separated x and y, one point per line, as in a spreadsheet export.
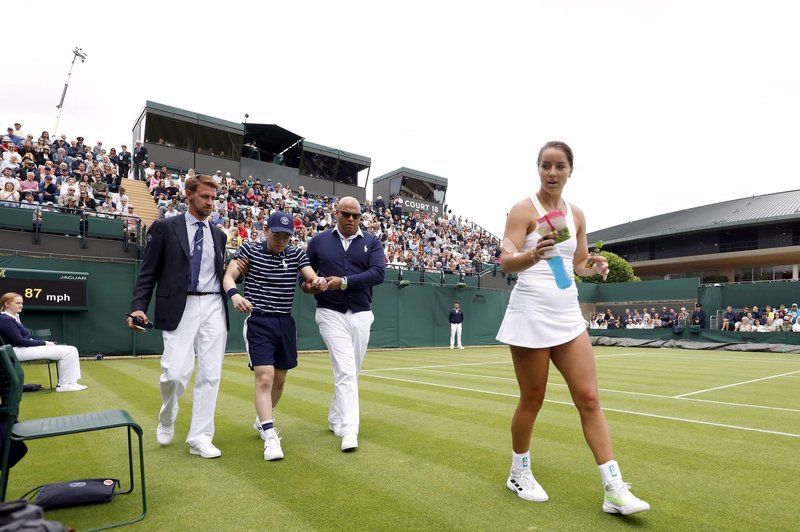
46	289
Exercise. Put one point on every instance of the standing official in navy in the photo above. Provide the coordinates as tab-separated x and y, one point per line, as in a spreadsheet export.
352	262
456	318
139	160
191	311
124	158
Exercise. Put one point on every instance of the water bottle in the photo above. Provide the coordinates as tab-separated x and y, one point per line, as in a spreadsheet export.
556	264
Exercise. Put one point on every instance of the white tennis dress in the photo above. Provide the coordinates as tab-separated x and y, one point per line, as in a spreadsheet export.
539	314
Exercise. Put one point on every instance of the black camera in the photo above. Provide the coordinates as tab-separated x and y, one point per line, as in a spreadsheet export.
138	321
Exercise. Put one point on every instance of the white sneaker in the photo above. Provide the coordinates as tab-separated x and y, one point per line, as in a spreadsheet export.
272	445
620	500
75	387
205	449
451	347
461	347
164	434
333	429
521	482
257	426
349	442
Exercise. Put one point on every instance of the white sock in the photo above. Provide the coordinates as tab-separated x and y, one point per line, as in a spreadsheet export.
521	461
609	472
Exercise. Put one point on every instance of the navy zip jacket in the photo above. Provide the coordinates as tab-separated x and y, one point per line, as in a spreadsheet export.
456	317
364	265
16	334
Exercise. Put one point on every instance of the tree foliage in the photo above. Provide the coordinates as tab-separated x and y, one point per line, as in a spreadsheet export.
619	271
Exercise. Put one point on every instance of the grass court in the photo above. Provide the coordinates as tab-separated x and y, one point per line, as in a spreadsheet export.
710	439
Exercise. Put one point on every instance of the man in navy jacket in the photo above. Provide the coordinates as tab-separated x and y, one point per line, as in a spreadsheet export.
456	318
352	262
191	311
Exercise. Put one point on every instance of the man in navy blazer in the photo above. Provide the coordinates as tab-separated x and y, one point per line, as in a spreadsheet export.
190	310
352	262
139	160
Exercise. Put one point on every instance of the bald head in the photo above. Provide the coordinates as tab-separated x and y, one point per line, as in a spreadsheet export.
348	216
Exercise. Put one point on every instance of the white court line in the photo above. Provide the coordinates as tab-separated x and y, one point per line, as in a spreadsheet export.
439	366
706	357
621	355
624	392
645	414
736	384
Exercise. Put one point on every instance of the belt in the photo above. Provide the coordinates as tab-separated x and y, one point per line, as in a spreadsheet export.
203	293
270	314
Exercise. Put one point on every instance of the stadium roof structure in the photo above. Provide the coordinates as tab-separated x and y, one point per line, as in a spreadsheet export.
192	116
776	207
413	173
359	160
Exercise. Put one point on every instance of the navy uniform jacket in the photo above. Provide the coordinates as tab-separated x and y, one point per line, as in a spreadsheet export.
167	263
364	265
456	317
124	158
16	334
139	155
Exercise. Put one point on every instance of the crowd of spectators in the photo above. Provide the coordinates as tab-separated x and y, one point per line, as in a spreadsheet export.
412	241
641	319
753	319
71	176
748	319
42	173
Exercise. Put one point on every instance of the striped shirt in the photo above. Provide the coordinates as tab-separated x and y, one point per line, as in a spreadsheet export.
271	279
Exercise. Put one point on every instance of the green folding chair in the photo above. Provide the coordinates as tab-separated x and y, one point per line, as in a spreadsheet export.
11	379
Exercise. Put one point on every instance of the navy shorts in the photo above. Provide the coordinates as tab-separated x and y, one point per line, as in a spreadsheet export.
271	340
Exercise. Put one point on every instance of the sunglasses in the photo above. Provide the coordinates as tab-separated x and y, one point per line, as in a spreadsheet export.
353	215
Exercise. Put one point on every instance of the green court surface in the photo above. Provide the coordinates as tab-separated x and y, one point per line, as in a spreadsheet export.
710	439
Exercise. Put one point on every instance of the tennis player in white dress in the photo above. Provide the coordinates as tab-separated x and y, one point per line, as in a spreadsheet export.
543	323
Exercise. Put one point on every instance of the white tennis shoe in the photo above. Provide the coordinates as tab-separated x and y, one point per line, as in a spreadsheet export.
272	445
620	500
521	482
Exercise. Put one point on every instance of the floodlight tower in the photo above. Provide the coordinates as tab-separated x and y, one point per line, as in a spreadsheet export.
77	53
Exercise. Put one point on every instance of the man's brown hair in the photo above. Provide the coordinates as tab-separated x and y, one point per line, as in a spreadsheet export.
200	179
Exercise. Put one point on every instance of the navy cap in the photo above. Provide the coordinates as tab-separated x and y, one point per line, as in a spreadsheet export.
280	222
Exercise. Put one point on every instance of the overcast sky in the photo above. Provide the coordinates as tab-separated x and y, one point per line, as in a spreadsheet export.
666	104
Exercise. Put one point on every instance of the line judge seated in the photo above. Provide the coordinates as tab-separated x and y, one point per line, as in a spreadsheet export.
27	349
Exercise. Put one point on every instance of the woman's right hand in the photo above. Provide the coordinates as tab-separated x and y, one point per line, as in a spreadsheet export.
544	247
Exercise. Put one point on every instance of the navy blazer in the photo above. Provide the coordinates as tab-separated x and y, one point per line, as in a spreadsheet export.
364	265
16	334
167	264
456	317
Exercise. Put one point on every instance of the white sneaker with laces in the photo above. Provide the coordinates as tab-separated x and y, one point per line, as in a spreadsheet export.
75	387
349	442
620	500
205	449
272	445
164	434
521	482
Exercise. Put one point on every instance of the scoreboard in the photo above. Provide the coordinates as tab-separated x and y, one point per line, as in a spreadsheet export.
46	289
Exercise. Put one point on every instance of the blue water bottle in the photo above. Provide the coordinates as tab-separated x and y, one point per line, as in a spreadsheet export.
556	264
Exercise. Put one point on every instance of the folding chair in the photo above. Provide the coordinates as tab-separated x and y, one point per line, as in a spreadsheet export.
11	378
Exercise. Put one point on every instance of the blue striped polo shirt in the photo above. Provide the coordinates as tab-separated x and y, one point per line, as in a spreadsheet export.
271	279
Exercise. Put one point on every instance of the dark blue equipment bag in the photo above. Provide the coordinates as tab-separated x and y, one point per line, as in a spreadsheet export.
74	493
